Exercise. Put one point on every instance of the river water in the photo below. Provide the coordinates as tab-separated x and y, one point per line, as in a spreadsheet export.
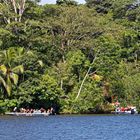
85	127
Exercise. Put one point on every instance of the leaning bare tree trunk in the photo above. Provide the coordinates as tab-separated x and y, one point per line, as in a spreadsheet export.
82	83
78	94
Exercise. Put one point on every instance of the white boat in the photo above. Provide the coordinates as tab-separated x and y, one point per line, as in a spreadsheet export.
131	111
26	114
123	112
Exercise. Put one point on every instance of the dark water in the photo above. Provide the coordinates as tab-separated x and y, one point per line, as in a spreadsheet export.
93	127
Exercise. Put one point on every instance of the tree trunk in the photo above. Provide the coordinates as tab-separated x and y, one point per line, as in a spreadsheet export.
21	9
20	6
82	83
15	8
78	94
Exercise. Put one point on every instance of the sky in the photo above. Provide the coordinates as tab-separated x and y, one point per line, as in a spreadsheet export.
53	1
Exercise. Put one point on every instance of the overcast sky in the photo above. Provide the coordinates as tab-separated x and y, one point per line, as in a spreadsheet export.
53	1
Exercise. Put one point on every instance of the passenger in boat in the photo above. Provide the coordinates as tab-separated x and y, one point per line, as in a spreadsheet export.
48	111
32	110
15	109
122	109
117	106
117	109
42	110
132	111
125	109
22	110
27	110
52	111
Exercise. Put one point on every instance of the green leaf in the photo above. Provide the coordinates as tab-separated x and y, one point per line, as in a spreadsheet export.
9	86
2	82
40	63
3	69
14	77
18	69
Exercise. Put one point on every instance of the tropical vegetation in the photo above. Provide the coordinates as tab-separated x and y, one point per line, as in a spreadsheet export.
77	58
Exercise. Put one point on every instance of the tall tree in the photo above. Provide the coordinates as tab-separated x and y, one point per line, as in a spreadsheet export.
12	9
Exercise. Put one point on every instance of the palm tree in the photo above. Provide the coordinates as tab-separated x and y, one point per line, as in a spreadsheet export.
9	74
9	77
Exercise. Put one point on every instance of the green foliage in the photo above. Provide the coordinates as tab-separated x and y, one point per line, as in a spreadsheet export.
66	2
8	71
49	53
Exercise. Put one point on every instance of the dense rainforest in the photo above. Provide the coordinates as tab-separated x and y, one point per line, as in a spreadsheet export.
77	58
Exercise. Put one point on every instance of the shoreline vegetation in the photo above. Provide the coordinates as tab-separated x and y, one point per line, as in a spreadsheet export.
115	109
76	58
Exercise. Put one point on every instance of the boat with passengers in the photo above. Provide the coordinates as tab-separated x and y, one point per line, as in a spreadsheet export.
122	110
31	112
27	114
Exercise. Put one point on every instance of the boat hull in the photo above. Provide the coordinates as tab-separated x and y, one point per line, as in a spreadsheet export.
26	114
123	112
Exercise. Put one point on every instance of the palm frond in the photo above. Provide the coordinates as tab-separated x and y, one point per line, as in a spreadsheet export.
8	86
3	57
30	53
14	78
2	82
18	69
40	63
3	69
20	52
11	54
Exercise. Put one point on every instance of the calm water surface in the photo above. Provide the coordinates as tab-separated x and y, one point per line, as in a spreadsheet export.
94	127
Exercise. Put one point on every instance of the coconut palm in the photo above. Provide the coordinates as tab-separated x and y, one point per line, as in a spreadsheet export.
9	74
8	77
